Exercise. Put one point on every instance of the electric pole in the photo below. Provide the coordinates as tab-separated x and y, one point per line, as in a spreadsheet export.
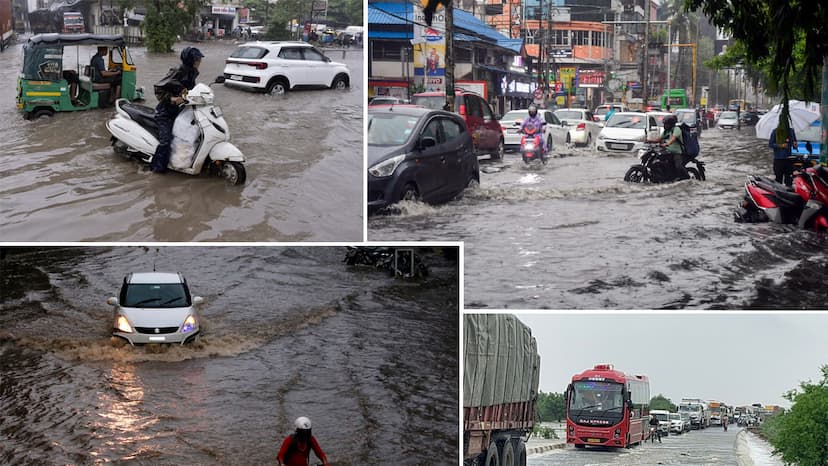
646	50
449	74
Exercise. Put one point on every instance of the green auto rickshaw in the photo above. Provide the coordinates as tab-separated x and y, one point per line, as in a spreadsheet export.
46	87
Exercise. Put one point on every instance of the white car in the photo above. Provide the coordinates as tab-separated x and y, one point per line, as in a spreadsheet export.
276	67
155	307
728	120
676	423
601	111
554	131
659	118
626	132
663	417
583	129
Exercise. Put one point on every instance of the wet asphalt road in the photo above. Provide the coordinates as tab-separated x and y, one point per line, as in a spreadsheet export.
574	235
62	182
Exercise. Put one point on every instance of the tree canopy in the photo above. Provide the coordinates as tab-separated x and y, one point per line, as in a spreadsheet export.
551	406
662	402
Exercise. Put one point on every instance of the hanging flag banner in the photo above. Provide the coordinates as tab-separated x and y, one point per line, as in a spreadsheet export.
430	50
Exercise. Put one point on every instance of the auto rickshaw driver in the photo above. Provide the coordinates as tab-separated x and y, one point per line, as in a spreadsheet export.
100	74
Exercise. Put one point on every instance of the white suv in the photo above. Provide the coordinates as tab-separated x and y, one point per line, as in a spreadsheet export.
276	67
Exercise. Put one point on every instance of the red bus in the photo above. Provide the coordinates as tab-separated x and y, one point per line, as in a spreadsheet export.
607	408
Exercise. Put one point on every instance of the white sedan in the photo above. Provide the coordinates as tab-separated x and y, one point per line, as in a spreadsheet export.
728	120
554	131
155	307
626	132
583	129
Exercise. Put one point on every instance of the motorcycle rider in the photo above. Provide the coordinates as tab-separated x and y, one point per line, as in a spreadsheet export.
538	123
673	142
654	427
168	91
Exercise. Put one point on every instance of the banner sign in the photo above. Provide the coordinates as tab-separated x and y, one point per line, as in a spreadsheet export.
430	49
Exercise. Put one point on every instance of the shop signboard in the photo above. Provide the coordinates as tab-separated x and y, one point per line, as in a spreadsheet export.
591	78
568	77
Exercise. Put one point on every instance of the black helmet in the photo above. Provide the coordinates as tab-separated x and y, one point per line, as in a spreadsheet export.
189	56
533	110
670	122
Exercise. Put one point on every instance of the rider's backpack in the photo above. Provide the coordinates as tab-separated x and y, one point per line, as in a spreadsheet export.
689	141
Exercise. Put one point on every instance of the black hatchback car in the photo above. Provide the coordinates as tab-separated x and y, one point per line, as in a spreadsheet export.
416	153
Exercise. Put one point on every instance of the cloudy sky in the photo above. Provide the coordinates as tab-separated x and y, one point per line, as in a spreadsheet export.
738	358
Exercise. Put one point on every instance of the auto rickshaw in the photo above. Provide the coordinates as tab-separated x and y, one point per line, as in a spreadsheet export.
45	87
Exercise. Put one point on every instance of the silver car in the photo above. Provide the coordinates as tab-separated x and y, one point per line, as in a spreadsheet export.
554	131
583	129
728	120
155	307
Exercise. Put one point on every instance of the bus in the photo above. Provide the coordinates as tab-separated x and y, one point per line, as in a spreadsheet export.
608	408
675	98
739	104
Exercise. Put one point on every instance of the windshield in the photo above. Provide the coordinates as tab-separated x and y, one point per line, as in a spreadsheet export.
686	117
155	295
662	417
434	102
596	396
689	408
516	115
731	115
675	416
569	114
388	129
626	121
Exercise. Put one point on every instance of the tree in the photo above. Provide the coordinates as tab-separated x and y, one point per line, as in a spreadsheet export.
166	20
282	13
551	406
770	29
800	436
661	402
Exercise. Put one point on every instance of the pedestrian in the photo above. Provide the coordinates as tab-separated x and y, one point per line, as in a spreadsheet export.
782	165
168	91
296	447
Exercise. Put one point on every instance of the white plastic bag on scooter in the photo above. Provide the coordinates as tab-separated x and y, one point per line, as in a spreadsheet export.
185	137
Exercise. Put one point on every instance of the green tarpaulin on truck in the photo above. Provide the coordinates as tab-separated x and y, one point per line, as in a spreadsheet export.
501	361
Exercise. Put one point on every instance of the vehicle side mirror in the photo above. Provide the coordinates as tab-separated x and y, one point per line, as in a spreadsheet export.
113	301
219	80
427	142
197	300
498	117
564	123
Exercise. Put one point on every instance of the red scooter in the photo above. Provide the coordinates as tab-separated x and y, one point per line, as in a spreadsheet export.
806	204
531	147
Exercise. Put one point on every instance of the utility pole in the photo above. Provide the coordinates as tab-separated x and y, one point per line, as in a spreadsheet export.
646	50
449	75
823	150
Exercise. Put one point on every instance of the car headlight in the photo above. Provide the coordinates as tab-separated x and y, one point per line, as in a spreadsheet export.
386	167
190	324
122	324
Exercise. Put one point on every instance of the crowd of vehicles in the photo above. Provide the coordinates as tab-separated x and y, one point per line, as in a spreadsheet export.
498	417
554	131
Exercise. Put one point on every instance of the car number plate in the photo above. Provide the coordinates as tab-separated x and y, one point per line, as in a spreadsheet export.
157	338
594	440
618	146
235	77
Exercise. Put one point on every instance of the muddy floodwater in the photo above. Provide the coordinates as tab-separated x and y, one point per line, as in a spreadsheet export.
62	181
574	235
287	332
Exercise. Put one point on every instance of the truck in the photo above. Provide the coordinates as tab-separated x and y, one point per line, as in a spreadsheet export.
6	24
73	22
500	389
717	410
698	410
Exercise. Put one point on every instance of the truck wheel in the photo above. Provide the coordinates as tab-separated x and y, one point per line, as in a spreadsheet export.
520	453
492	457
507	455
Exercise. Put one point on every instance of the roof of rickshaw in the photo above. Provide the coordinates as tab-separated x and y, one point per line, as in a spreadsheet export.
61	40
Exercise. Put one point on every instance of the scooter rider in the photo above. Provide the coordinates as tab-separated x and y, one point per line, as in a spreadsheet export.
672	141
168	91
654	427
296	448
538	123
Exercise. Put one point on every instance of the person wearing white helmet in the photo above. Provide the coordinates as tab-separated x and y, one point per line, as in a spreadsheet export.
297	446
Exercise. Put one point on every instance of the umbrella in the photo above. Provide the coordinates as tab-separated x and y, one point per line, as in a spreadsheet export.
802	115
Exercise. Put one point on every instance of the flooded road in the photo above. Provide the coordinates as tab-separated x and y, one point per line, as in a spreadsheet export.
574	235
63	182
287	332
704	447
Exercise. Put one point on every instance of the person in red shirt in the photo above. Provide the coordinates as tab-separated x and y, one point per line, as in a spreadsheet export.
296	447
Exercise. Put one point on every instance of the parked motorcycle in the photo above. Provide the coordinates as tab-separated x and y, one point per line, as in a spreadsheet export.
531	147
402	262
135	133
806	204
657	166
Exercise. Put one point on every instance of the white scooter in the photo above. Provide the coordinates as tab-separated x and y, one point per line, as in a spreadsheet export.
134	132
